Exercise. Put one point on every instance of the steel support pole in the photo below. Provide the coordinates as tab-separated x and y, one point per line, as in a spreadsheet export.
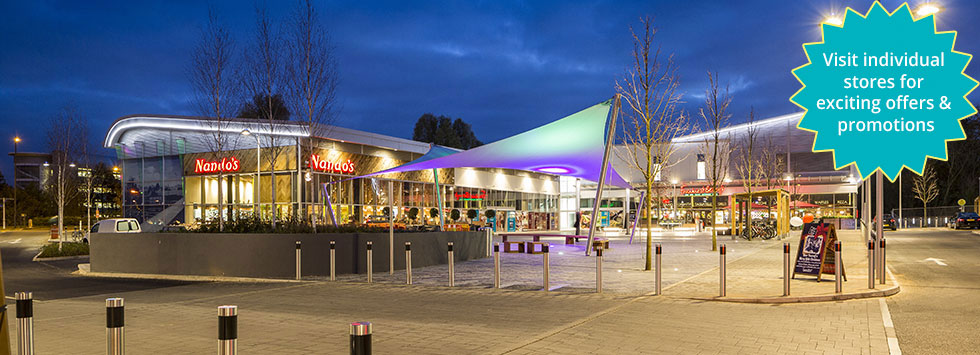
25	323
115	332
333	260
391	228
881	265
721	271
879	230
408	263
452	264
299	254
496	265
611	135
370	262
227	330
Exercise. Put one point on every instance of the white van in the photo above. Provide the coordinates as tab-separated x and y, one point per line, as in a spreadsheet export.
117	225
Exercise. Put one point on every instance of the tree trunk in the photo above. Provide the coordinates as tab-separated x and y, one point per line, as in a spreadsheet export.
925	218
648	266
714	219
221	210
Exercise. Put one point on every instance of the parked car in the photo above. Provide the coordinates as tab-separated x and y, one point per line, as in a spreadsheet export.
380	221
888	222
965	220
117	225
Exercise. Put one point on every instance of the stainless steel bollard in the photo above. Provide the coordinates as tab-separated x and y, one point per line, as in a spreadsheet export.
544	256
298	255
881	266
598	269
408	263
452	268
333	260
786	269
871	264
25	323
370	263
838	286
115	333
721	271
227	330
496	265
360	338
658	270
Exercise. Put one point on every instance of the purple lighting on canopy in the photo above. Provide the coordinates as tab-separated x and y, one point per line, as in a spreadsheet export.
572	146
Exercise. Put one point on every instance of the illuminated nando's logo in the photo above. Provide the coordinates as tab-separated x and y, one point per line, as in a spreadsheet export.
346	167
202	166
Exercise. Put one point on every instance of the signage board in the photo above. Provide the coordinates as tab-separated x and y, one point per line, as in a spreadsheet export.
815	254
225	165
345	167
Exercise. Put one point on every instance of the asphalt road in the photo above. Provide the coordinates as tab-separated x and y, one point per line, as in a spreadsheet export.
53	280
938	310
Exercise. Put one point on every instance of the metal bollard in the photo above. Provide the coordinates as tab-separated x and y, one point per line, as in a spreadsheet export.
721	271
25	323
881	266
452	269
544	256
871	264
496	265
298	255
115	334
786	269
228	330
333	260
598	269
408	263
360	338
370	263
657	272
838	286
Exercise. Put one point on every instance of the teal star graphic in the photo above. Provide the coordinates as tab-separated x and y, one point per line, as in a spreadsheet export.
869	100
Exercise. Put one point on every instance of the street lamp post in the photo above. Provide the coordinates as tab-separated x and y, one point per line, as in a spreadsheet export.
258	172
16	140
673	186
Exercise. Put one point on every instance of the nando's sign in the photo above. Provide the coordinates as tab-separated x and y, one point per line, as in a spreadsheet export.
225	165
346	167
701	190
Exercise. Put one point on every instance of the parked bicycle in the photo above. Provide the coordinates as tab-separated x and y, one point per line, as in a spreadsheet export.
763	229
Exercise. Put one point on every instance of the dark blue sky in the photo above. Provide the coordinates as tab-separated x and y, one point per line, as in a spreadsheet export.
504	66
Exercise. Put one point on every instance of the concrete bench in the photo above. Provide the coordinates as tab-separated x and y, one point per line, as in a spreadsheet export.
509	243
531	250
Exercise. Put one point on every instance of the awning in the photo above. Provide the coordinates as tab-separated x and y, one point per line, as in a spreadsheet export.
572	146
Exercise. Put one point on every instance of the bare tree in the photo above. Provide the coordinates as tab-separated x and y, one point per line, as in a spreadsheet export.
771	165
312	75
214	85
263	78
925	188
649	87
65	139
748	167
715	115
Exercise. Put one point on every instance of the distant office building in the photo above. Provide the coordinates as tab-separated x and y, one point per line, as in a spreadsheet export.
29	169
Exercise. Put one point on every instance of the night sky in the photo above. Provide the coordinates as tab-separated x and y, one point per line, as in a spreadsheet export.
504	66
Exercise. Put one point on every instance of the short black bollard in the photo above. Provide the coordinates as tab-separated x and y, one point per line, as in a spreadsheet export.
370	263
227	330
657	271
360	338
496	265
871	264
298	256
598	267
786	269
25	323
838	286
721	271
544	255
115	334
452	266
333	260
408	263
881	267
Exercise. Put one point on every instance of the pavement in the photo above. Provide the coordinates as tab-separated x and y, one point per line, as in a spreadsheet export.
430	318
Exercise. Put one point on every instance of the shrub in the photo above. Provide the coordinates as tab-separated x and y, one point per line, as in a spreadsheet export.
454	214
472	214
50	250
433	213
490	214
413	213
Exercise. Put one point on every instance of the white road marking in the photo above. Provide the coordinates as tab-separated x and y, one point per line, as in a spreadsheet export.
15	241
940	262
886	318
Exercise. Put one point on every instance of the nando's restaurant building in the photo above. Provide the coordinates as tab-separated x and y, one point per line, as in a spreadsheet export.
173	167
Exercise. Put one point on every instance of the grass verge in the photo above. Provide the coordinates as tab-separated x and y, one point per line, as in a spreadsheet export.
50	250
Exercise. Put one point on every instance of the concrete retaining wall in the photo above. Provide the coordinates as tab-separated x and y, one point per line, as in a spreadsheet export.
270	255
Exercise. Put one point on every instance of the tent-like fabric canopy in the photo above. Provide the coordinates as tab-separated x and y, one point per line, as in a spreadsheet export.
572	146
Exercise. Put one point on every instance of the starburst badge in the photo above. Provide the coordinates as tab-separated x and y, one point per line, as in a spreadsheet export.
884	91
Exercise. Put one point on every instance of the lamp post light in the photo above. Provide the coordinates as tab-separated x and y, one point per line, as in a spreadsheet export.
929	8
258	172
